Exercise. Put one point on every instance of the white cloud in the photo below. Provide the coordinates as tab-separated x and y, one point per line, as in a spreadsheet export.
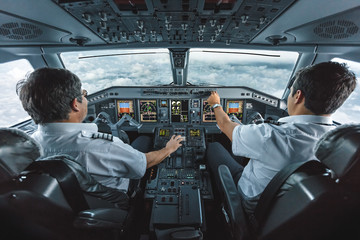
344	117
11	110
356	109
123	81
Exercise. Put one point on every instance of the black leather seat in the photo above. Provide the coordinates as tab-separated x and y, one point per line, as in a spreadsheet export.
54	196
306	201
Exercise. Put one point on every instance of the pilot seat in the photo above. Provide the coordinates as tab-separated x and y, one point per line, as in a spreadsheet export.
311	200
54	197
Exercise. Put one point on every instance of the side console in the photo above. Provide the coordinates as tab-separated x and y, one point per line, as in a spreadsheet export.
180	184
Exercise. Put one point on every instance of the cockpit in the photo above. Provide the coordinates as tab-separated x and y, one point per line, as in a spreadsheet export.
149	66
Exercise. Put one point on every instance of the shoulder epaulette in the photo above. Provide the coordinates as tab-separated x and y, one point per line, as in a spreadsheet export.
104	136
270	122
98	135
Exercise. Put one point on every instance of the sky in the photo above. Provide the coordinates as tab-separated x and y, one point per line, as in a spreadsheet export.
11	110
269	75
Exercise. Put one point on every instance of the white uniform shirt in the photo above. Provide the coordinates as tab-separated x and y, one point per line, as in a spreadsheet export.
271	147
111	163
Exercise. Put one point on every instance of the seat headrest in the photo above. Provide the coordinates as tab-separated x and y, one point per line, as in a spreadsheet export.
17	151
339	150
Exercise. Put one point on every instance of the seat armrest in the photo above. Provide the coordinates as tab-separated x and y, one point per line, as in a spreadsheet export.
109	218
234	209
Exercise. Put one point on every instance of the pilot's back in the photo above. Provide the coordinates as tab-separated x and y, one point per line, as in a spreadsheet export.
105	157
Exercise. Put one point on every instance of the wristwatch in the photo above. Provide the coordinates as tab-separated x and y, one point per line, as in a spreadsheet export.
215	106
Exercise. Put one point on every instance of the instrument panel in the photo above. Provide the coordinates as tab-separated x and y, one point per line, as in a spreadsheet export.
179	110
169	106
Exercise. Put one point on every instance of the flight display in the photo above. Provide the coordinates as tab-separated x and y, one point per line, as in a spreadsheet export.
148	111
164	132
208	113
195	132
235	107
125	107
163	103
179	110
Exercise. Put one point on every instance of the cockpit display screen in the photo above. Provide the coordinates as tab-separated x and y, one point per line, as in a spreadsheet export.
148	111
164	132
125	107
163	103
179	110
194	132
208	113
235	107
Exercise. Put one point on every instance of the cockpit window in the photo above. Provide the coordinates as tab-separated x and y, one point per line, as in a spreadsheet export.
349	112
11	110
102	69
267	71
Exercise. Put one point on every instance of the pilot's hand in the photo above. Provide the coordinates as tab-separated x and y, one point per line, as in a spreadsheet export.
174	143
214	98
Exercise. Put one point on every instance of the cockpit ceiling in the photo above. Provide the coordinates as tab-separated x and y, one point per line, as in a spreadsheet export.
177	22
343	26
180	23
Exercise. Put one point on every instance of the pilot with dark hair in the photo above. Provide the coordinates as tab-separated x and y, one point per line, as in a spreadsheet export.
55	101
18	151
317	92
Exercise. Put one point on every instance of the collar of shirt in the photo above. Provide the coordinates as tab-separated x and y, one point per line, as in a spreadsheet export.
306	118
67	127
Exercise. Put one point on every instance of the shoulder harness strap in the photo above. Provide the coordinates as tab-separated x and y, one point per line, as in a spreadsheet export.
270	192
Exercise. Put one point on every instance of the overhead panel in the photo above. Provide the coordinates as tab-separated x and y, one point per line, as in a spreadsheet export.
133	5
176	22
217	5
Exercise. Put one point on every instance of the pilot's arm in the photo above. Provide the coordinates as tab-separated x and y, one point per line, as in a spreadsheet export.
155	157
225	124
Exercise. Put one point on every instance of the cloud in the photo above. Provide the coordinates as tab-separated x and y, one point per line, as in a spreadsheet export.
355	108
11	110
344	117
266	78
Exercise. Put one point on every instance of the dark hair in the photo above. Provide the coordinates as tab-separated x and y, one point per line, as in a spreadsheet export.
325	86
47	93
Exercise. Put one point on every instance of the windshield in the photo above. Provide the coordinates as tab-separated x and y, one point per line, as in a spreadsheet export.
11	110
102	69
349	112
267	71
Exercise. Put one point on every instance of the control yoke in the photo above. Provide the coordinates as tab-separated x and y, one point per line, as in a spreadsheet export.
234	119
105	118
255	118
128	118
